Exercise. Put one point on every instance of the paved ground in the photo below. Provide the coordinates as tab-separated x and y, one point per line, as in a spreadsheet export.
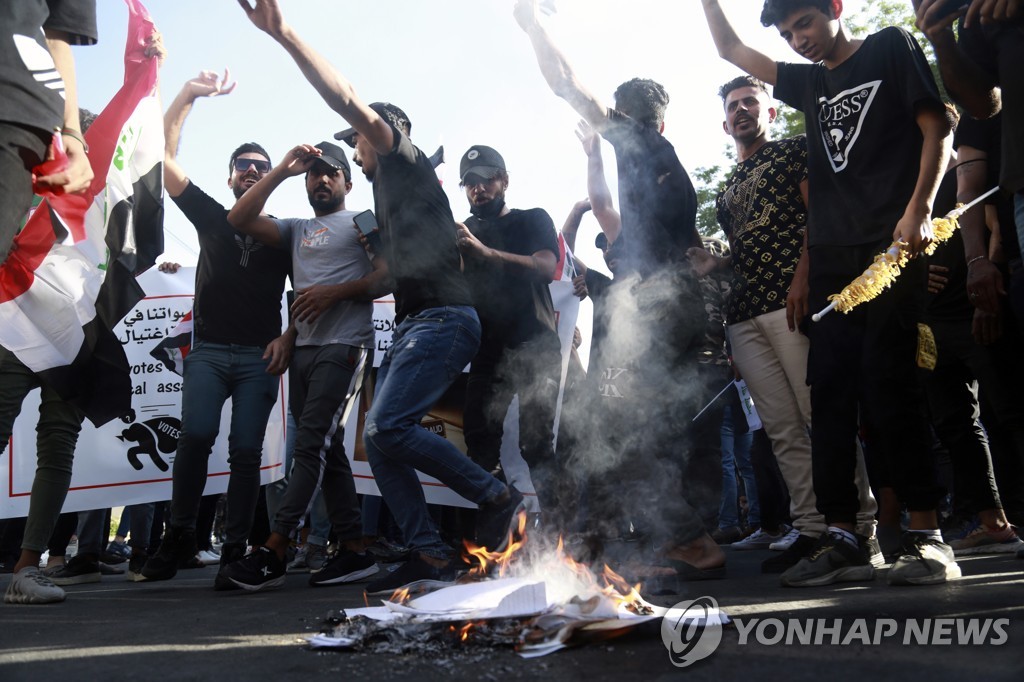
183	630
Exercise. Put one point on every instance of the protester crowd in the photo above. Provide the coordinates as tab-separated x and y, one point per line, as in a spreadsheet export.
713	410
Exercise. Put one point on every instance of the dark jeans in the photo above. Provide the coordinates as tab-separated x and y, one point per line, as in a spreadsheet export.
21	149
532	371
213	373
321	385
863	364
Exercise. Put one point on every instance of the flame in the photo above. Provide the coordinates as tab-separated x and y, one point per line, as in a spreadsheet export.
488	560
399	596
464	631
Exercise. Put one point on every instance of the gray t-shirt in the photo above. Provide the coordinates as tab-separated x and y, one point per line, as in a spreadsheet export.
326	250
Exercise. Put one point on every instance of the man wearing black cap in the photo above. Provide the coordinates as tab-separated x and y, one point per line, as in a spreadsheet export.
332	328
510	257
438	330
237	352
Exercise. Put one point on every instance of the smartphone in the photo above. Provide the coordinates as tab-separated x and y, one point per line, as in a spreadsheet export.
366	222
952	7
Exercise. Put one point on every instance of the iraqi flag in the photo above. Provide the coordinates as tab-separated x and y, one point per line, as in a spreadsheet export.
565	268
175	347
70	276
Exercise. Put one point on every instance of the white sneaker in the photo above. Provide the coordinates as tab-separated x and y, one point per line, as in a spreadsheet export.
208	557
786	541
30	586
757	540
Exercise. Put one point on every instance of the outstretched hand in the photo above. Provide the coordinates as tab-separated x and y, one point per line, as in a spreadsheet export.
210	84
525	13
588	137
155	49
266	15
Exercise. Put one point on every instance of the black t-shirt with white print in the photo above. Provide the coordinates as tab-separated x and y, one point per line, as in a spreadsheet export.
864	144
32	89
417	231
239	281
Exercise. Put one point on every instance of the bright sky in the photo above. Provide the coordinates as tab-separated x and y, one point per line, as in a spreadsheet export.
461	69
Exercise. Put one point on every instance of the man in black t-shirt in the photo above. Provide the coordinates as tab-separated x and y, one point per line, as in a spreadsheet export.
437	333
877	138
35	58
649	387
237	349
510	257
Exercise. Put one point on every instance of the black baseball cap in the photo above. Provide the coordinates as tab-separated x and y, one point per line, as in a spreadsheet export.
480	160
386	110
334	156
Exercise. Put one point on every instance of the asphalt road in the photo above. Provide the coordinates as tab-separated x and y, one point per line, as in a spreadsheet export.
183	630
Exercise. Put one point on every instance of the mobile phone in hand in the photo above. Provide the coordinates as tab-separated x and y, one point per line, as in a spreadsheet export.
366	223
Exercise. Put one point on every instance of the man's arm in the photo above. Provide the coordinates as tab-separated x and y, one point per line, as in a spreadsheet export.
984	281
967	84
798	298
335	90
572	222
556	68
312	302
247	213
597	185
206	84
540	265
734	50
915	227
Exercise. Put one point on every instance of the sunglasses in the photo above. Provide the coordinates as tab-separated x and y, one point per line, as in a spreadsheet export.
242	165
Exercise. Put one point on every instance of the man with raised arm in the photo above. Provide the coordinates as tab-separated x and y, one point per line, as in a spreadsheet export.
652	370
438	330
878	138
237	351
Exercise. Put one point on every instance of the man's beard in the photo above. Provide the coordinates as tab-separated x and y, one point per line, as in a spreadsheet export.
325	206
489	211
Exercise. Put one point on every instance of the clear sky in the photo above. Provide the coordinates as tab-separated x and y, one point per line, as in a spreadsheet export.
461	69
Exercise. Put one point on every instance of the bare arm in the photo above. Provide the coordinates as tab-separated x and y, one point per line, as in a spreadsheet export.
597	185
78	175
572	222
798	299
915	227
247	213
335	90
206	84
540	265
984	281
556	68
313	301
734	50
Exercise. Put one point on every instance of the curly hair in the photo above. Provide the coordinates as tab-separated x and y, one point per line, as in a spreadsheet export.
743	81
643	100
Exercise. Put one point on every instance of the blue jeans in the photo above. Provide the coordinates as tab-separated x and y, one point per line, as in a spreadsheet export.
319	523
213	372
736	456
428	352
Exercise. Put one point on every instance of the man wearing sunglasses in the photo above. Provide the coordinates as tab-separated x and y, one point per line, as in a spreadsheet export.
237	350
510	257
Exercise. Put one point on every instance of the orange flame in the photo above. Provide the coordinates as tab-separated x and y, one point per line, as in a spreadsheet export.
399	596
487	559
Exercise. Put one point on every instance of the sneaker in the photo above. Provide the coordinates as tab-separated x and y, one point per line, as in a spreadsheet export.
496	522
923	561
116	553
298	564
727	535
797	550
387	552
832	560
983	540
30	586
230	552
78	570
786	541
759	539
107	569
178	547
260	570
208	557
135	565
345	566
413	570
316	556
872	551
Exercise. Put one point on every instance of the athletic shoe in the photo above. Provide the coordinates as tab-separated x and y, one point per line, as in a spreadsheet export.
345	566
260	570
759	539
727	535
78	570
387	552
30	586
872	551
116	553
230	552
178	547
784	543
316	556
208	557
107	569
797	550
832	560
984	540
923	561
135	565
413	570
298	564
496	522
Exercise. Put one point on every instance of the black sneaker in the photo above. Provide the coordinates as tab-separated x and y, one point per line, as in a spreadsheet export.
496	522
177	548
135	566
413	570
344	567
388	552
230	552
259	570
832	560
789	557
923	560
78	570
